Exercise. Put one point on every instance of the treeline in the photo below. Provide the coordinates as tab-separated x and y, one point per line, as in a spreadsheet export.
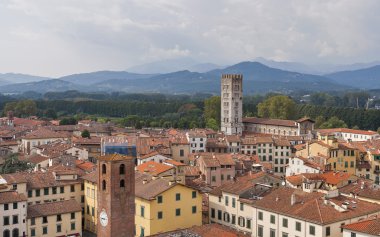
360	118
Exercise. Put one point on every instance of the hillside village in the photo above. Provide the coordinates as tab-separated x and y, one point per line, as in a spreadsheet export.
255	177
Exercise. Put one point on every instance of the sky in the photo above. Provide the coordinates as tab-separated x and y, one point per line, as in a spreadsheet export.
59	37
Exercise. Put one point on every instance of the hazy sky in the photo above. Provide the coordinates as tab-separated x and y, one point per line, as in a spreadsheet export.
57	37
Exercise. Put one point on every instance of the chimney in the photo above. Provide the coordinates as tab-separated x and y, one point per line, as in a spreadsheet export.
154	177
293	199
171	182
145	181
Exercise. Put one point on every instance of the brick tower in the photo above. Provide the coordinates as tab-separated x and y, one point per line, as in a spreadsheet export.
231	104
116	196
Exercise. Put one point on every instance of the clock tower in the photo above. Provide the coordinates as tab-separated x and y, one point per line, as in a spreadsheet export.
116	196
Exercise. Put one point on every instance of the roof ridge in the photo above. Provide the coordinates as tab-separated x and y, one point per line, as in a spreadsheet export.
319	210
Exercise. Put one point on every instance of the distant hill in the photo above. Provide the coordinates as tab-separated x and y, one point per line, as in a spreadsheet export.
96	77
4	82
368	78
41	86
21	78
258	78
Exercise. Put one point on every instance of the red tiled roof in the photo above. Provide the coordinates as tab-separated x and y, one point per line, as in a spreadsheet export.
11	196
153	168
44	133
346	130
53	208
370	226
267	121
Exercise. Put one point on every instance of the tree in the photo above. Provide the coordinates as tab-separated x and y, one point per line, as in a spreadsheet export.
68	121
211	123
85	134
277	107
12	164
334	122
212	109
22	108
319	121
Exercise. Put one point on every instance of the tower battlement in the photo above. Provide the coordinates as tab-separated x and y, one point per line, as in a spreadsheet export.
232	76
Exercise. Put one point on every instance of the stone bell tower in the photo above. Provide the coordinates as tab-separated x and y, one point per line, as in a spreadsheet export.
116	196
231	104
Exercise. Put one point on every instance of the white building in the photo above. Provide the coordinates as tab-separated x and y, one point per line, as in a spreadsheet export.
350	135
293	213
197	140
231	104
300	165
12	214
153	156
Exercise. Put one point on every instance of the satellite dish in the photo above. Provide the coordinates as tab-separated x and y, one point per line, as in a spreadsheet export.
283	183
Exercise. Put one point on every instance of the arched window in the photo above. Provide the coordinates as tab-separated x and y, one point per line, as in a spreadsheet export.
122	183
104	185
104	169
122	169
15	233
6	233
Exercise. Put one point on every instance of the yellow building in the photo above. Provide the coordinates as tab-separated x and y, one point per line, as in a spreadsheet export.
90	202
62	218
343	158
161	205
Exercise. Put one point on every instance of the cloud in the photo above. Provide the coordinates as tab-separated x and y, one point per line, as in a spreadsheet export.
90	35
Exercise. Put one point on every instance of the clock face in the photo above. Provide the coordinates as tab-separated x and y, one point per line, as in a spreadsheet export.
103	218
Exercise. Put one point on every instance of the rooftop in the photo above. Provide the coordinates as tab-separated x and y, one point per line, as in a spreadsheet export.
53	208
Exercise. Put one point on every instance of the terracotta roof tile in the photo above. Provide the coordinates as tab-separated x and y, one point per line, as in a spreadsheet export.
276	122
370	226
154	168
11	196
53	208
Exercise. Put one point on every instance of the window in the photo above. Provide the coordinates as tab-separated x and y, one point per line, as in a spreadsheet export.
194	209
328	231
6	206
62	189
59	217
46	191
284	234
220	199
6	220
249	221
241	206
353	234
226	200
159	215
59	228
312	230
260	231
72	225
104	169
33	232
260	216
93	211
54	190
178	211
212	213
272	233
72	215
30	193
159	199
284	222
142	211
32	221
15	233
122	169
37	192
177	196
15	219
241	221
72	188
122	183
226	217
142	231
44	230
272	219
213	178
194	194
181	153
104	185
233	202
6	233
219	215
298	226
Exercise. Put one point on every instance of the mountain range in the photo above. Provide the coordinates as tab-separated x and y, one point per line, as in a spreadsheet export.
258	78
